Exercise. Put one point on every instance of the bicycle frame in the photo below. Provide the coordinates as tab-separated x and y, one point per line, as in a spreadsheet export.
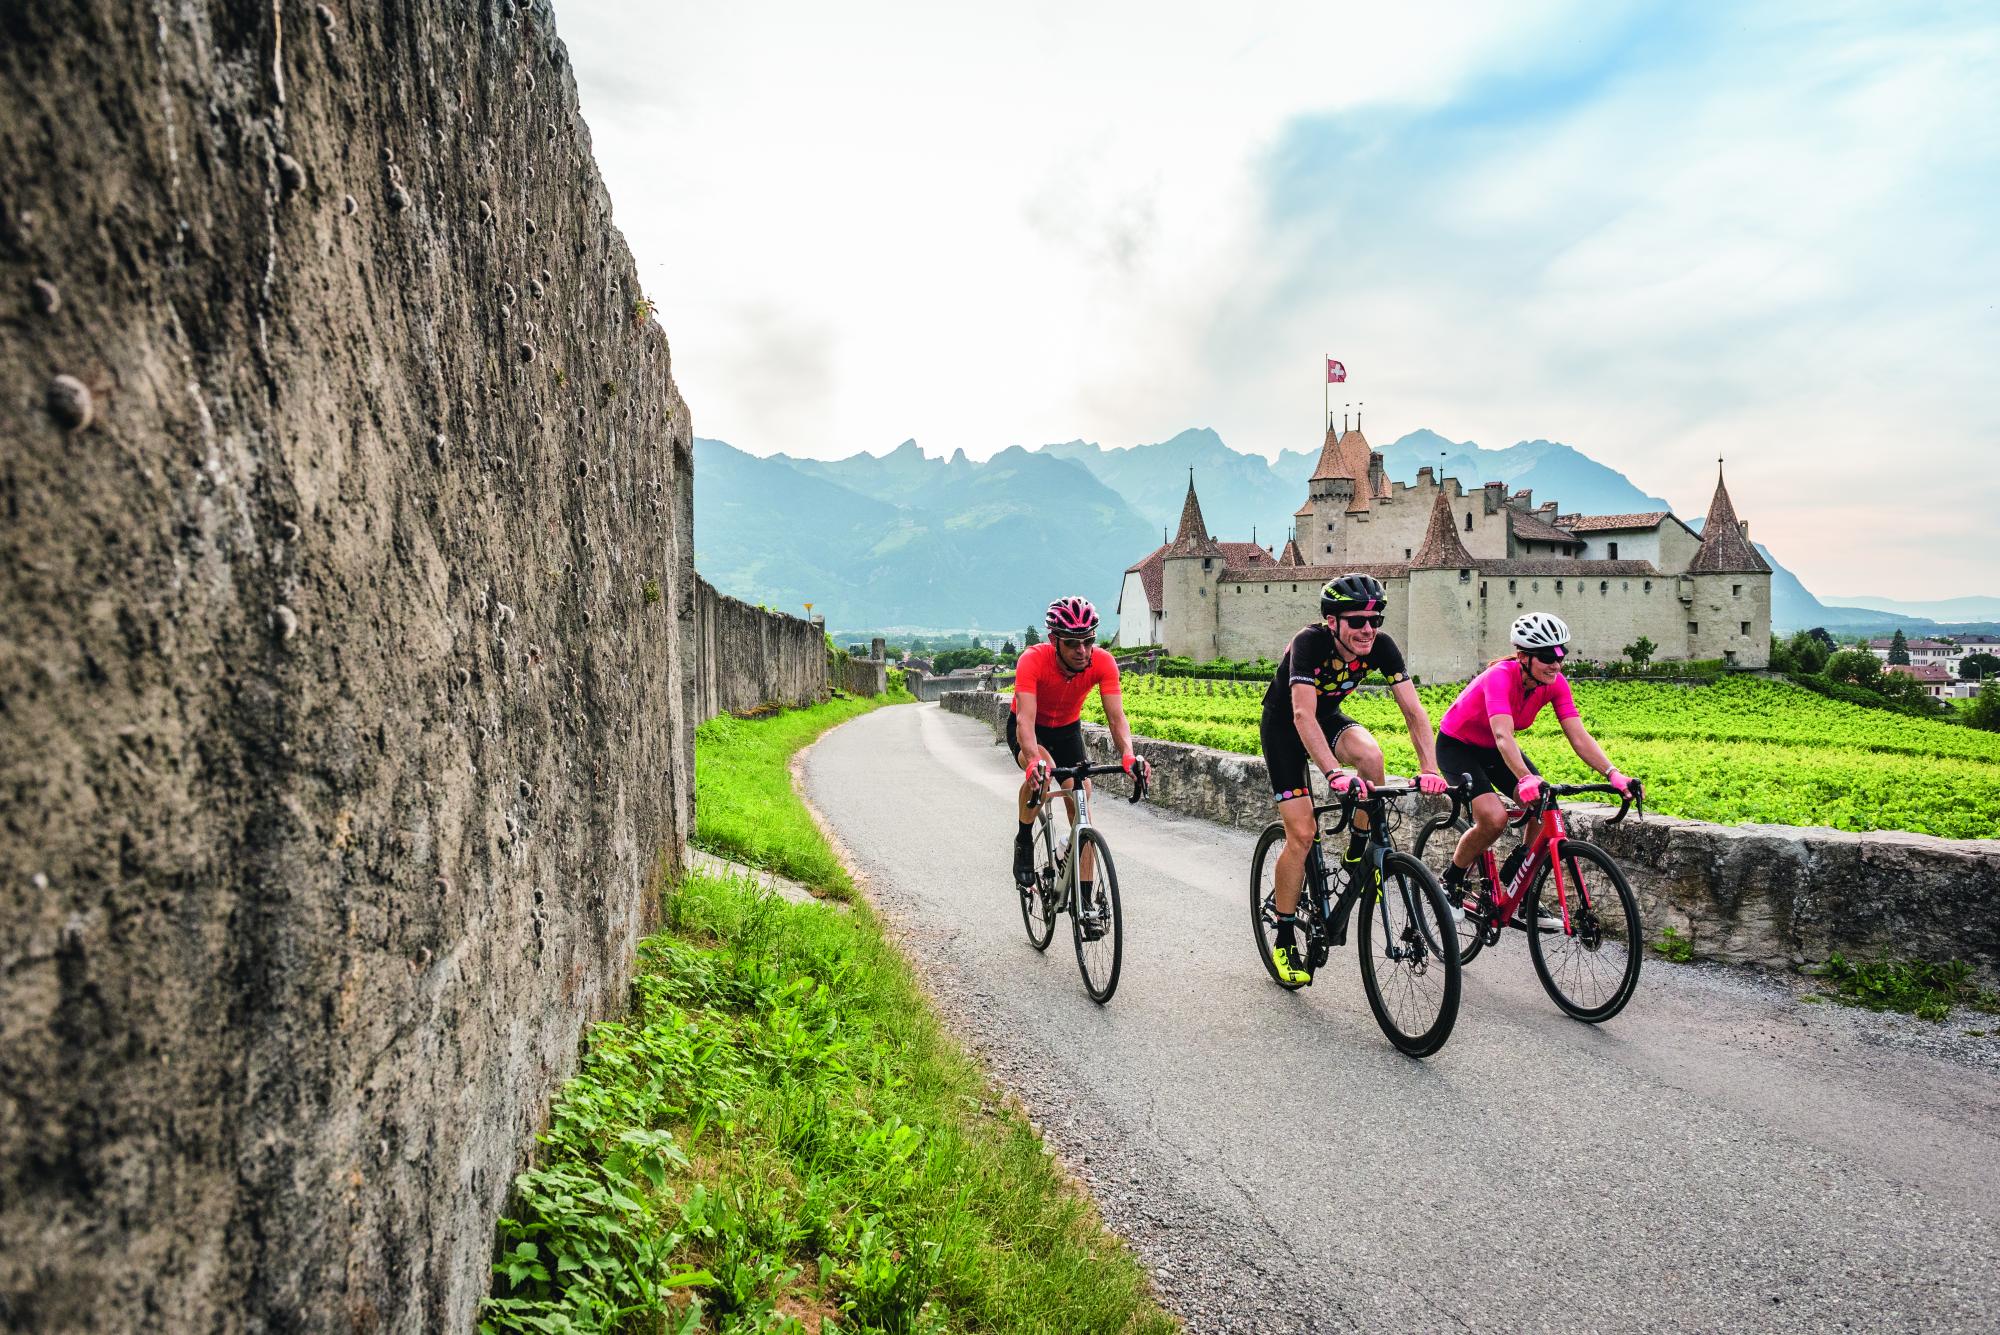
1545	848
1078	803
1319	881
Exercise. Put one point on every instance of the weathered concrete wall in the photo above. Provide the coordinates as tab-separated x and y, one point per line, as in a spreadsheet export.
1772	895
925	686
864	676
343	642
746	657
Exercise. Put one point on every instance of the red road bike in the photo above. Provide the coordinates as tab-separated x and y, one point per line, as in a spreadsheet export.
1585	939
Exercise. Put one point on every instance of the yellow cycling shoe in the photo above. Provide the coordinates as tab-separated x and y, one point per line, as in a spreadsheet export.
1284	962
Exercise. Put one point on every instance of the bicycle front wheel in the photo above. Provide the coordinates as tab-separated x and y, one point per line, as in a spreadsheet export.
1097	925
1038	901
1409	957
1435	843
1589	965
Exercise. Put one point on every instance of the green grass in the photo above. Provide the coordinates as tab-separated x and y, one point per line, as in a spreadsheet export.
1914	987
1675	946
781	1137
744	806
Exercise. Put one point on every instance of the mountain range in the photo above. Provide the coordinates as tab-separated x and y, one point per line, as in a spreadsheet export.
910	541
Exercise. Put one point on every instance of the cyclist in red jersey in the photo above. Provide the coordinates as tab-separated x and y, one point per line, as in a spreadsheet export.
1476	736
1045	724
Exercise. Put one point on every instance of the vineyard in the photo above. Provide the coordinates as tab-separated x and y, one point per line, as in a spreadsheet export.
1743	750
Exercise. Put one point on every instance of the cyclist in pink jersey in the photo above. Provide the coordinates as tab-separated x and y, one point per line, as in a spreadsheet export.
1045	722
1476	735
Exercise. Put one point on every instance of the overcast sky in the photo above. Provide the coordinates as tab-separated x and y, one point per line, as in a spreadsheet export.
1657	233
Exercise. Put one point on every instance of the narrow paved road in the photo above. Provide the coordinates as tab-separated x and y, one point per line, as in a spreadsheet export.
1719	1157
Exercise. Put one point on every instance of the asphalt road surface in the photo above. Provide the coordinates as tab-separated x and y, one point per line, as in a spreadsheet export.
1719	1157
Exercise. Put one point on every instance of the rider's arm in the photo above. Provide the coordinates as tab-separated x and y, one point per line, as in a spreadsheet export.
1510	750
1418	719
1114	718
1024	727
1305	717
1586	746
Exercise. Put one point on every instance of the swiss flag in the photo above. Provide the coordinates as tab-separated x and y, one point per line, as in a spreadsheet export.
1335	372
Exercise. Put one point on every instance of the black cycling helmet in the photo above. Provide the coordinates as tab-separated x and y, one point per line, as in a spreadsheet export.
1353	592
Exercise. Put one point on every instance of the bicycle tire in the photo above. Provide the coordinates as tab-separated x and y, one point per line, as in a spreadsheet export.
1099	959
1434	851
1262	930
1415	1011
1589	950
1038	903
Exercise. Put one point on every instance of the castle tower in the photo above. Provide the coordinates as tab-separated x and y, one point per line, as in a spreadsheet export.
1190	585
1729	615
1346	479
1445	616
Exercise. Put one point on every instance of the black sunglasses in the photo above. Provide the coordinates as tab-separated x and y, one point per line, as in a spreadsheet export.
1551	655
1086	642
1357	622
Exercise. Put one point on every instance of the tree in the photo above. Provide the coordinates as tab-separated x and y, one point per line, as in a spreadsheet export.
1899	649
1983	711
1856	666
1978	667
1008	650
916	644
1640	652
1032	638
1809	650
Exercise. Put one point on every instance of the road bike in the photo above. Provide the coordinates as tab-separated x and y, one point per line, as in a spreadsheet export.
1587	946
1096	927
1408	952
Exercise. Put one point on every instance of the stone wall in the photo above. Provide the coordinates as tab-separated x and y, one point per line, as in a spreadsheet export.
1770	895
749	657
344	626
864	676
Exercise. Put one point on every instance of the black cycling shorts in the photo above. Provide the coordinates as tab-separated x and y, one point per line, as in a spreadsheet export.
1285	757
1063	740
1484	763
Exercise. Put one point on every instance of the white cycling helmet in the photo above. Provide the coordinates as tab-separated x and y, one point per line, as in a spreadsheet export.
1539	630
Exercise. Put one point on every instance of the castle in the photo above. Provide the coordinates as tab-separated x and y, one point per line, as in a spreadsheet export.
1460	566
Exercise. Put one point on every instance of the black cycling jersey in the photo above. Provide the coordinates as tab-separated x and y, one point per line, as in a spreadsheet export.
1313	658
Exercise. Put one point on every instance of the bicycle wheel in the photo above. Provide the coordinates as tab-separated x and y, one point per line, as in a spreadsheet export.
1591	966
1098	927
1038	902
1412	984
1435	843
1263	886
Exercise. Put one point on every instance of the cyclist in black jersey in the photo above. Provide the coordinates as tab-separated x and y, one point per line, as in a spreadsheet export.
1303	724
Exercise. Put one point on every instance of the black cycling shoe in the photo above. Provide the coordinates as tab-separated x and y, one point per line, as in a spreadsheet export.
1024	865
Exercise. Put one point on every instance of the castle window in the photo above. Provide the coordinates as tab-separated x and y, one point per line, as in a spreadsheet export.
1604	586
1559	586
1406	553
1295	588
1510	587
1267	588
1694	628
1649	586
1482	588
1468	521
1207	561
1745	628
1465	577
1736	591
1614	550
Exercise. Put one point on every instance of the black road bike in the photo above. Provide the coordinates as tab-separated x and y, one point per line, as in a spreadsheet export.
1097	926
1405	938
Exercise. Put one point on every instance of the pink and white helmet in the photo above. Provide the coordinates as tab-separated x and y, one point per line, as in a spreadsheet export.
1072	616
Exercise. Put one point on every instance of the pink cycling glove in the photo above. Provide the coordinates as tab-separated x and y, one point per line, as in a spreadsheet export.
1342	783
1619	781
1528	789
1432	784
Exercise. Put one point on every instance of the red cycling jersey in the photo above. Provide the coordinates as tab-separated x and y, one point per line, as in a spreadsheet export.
1058	696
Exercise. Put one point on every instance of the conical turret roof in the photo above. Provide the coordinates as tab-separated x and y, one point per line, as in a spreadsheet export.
1193	539
1291	556
1346	455
1442	547
1724	549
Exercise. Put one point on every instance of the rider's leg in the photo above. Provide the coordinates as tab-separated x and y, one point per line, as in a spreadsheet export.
1357	749
1297	814
1489	818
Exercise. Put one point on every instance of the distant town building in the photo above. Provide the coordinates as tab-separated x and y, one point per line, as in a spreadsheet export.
1924	653
1460	566
1940	682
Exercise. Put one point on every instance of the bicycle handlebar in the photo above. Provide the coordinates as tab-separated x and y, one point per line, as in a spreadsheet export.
1078	773
1636	796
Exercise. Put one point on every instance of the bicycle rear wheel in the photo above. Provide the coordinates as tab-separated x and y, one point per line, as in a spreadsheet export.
1263	889
1589	966
1435	843
1097	925
1409	970
1038	902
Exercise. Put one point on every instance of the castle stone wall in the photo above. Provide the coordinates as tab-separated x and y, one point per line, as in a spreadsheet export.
1258	623
749	657
344	646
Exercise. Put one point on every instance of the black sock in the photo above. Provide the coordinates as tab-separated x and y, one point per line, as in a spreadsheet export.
1357	843
1026	834
1286	940
1455	874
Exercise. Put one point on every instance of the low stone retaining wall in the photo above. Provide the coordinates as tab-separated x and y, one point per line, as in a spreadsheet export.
746	657
1778	896
864	676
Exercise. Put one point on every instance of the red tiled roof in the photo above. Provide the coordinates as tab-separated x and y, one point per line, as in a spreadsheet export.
1193	539
1347	455
1441	546
1927	673
1598	523
1304	511
1150	571
1291	556
1530	527
1724	549
1245	554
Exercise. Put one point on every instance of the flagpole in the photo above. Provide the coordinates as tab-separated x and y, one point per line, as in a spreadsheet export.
1325	403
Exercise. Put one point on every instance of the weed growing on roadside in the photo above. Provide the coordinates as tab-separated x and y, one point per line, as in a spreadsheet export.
1915	987
1674	946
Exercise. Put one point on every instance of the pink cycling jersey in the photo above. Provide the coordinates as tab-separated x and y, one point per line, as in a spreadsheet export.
1503	689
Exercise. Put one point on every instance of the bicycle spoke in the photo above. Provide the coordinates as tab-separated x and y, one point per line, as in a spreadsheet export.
1589	966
